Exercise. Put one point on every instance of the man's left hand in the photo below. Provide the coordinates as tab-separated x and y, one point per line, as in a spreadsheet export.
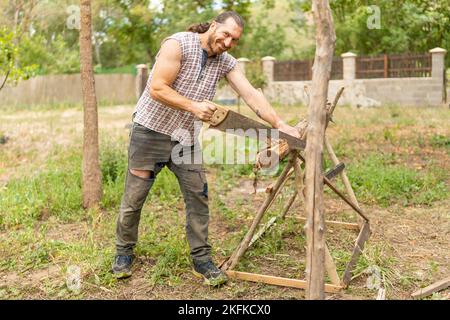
284	127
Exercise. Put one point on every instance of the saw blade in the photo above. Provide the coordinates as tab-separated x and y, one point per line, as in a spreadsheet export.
236	123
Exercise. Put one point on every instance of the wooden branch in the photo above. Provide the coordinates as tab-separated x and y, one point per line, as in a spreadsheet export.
432	288
6	78
330	267
277	281
315	232
273	220
332	223
270	187
240	250
349	202
345	180
359	246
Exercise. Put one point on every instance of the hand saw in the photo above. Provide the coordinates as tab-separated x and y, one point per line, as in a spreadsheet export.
224	119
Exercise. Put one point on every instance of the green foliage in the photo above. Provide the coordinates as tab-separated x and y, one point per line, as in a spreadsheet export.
256	75
54	56
406	26
262	40
10	69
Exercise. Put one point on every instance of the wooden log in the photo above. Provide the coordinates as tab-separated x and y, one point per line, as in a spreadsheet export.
315	233
432	288
277	281
240	250
302	126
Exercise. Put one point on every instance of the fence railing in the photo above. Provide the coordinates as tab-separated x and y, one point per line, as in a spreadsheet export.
393	66
301	70
382	66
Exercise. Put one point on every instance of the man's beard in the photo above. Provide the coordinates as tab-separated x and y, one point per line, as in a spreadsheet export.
210	43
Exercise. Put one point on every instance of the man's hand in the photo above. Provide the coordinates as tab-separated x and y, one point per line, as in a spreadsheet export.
204	110
282	126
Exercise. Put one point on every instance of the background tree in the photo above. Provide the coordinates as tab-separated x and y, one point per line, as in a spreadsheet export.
406	25
10	70
92	179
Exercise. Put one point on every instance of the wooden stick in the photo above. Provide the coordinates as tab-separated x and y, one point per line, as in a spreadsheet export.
345	180
432	288
314	206
240	250
343	197
330	111
270	187
330	267
345	225
273	220
277	281
359	246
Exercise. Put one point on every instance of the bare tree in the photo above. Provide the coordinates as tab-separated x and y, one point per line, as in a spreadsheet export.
92	179
315	230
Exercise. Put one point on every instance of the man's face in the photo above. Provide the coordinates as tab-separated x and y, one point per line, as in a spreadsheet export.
224	37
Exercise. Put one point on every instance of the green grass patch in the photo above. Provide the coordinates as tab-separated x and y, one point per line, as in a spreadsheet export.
128	69
56	190
376	180
440	141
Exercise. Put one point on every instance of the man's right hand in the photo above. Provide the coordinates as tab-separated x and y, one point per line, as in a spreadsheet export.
204	110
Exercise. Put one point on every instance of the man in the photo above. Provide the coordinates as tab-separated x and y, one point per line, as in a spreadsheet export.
179	90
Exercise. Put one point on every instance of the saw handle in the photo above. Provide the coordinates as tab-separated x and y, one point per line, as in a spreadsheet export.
219	115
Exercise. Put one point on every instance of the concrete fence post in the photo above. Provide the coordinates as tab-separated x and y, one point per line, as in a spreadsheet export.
438	62
268	64
438	69
242	62
141	79
349	65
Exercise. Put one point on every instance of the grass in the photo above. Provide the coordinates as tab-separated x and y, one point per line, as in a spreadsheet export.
376	180
131	69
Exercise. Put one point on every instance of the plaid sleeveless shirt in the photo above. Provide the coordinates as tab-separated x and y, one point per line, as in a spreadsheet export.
193	82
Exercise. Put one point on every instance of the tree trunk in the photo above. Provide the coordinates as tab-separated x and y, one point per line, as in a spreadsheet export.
92	179
315	227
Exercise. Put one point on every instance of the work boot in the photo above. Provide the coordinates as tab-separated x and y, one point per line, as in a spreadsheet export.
121	267
210	273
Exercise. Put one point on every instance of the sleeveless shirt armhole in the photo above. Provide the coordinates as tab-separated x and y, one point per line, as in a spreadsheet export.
229	62
180	41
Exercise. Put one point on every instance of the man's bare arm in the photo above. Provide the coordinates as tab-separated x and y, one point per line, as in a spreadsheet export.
165	72
256	101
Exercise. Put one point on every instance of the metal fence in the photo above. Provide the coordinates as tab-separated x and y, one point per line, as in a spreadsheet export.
301	70
382	66
393	66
